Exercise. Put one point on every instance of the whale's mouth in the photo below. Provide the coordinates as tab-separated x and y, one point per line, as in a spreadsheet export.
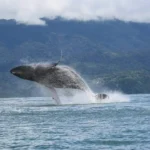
12	71
16	73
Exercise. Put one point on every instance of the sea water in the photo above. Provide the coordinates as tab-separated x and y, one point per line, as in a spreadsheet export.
114	124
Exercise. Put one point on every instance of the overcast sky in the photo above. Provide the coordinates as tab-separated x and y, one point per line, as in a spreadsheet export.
30	11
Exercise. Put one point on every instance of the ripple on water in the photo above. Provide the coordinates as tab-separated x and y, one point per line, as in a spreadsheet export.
33	123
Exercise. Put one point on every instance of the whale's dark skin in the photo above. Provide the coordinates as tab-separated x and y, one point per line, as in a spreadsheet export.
51	76
101	96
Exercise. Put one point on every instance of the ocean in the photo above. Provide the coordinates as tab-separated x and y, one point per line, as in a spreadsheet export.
35	123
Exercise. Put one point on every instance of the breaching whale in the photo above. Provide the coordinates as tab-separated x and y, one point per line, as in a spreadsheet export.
51	76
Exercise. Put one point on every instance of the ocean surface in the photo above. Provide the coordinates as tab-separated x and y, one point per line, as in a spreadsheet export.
36	123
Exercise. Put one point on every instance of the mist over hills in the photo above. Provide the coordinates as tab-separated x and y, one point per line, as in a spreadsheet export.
112	54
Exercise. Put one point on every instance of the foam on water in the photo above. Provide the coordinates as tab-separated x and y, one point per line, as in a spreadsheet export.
78	98
82	98
88	97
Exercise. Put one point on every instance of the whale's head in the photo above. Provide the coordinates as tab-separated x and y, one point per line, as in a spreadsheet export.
24	72
34	72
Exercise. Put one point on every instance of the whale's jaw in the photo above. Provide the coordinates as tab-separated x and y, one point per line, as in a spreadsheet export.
24	72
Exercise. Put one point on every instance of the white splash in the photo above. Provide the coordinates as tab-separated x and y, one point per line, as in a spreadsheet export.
78	98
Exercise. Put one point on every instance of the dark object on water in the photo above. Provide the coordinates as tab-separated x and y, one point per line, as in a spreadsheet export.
101	96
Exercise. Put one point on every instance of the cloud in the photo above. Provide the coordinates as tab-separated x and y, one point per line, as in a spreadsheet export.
31	11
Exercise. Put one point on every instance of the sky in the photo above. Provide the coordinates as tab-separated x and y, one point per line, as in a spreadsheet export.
31	11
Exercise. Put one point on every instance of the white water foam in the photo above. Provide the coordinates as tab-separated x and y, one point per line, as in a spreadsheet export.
73	96
78	98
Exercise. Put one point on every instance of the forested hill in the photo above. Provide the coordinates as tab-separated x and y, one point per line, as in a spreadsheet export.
111	54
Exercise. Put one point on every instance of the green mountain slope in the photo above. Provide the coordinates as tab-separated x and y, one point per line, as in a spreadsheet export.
110	54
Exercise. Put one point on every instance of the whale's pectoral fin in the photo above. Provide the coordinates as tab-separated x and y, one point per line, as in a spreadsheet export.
55	95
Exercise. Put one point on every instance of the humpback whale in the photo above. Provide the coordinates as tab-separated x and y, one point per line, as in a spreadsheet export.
51	76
